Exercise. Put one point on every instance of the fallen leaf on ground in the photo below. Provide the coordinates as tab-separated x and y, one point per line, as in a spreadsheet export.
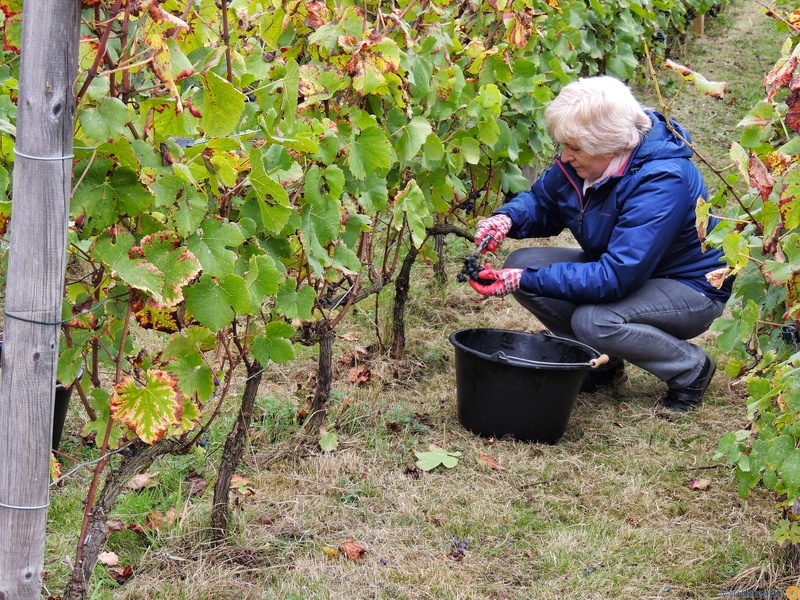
198	486
330	551
108	558
142	480
699	484
352	549
359	374
121	574
115	525
241	486
489	462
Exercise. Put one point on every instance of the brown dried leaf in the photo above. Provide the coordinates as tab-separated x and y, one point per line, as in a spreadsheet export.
142	480
699	484
115	525
121	574
717	277
360	374
352	549
197	487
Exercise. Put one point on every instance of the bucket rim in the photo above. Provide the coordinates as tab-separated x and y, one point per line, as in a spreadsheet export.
502	358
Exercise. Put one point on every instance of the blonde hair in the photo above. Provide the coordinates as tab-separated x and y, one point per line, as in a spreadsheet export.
599	115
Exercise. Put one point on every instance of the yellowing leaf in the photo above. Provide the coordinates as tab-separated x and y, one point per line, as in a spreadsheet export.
330	551
715	89
148	410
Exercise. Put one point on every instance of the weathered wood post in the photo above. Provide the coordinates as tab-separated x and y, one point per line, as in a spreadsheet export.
35	283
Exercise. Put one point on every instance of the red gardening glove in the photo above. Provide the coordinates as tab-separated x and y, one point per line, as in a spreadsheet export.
503	281
496	226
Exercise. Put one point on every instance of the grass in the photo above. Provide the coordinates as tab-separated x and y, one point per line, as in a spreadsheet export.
606	513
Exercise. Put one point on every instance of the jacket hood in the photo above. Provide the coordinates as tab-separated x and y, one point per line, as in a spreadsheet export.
661	142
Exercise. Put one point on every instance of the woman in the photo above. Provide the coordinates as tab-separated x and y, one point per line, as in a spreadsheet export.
636	289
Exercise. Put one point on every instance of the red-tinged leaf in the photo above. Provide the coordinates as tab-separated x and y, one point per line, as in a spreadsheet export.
142	480
11	7
55	468
793	111
121	574
318	14
781	74
352	549
793	18
159	15
489	461
760	177
717	277
150	315
360	374
12	34
241	486
148	410
699	484
522	27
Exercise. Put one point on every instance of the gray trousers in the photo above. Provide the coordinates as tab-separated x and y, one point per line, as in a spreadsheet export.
649	328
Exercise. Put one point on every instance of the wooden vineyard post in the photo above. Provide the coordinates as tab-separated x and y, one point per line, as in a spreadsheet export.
42	182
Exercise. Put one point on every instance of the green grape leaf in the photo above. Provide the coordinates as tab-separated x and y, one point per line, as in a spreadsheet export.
106	121
212	244
99	401
427	461
295	304
222	105
370	151
275	345
263	280
151	409
215	302
412	137
328	440
193	374
412	207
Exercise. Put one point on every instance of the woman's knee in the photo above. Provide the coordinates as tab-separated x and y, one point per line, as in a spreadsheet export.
592	322
543	256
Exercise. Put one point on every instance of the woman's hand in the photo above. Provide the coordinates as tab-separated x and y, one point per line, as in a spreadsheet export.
497	227
502	282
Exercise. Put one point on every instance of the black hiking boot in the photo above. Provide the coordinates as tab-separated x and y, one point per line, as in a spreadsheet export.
690	397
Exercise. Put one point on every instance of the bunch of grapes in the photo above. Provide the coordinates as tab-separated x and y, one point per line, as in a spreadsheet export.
472	271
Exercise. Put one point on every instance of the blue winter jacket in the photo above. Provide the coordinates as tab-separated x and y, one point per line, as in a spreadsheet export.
633	227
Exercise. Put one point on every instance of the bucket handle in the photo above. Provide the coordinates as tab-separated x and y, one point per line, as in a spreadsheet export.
592	364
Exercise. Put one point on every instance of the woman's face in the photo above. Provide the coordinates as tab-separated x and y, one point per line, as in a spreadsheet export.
588	167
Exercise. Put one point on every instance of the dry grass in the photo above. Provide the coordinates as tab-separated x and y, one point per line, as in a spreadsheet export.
605	513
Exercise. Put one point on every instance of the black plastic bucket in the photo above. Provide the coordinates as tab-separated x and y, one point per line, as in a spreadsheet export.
518	384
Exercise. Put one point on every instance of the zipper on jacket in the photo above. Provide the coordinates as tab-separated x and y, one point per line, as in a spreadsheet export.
584	200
